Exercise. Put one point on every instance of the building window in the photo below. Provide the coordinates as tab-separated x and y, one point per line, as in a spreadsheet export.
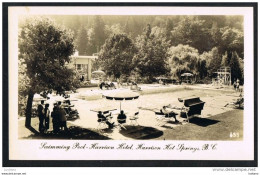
79	67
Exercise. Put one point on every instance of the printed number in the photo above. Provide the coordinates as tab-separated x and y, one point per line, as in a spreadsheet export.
234	134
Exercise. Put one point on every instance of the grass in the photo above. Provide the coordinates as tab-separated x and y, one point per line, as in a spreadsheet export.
73	133
217	127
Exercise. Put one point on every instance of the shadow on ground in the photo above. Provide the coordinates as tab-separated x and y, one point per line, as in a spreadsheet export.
74	133
140	132
203	121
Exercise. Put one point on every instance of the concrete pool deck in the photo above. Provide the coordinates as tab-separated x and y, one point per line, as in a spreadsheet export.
95	93
152	98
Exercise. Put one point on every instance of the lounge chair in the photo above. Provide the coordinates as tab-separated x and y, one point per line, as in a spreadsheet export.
159	116
163	118
134	118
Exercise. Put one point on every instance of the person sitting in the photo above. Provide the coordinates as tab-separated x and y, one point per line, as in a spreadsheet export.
107	85
169	113
102	117
134	86
121	119
239	102
112	85
101	85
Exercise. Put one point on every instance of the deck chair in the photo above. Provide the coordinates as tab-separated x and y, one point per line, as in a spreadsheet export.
121	122
159	116
108	115
101	123
162	118
133	119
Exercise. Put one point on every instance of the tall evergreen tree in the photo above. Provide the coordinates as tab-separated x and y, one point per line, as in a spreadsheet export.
82	41
226	59
236	72
215	62
99	32
169	28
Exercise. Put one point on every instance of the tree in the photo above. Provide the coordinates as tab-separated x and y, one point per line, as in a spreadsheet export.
216	35
226	59
116	55
99	32
44	50
183	58
201	68
114	29
232	40
23	82
91	48
215	61
158	32
236	72
82	40
169	28
190	31
150	60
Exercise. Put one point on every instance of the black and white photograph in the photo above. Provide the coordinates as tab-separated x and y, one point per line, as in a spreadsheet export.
174	82
131	77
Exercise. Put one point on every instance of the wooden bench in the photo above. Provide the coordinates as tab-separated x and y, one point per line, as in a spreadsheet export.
192	106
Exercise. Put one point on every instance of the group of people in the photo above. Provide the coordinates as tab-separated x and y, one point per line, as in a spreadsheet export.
44	117
107	85
121	118
59	117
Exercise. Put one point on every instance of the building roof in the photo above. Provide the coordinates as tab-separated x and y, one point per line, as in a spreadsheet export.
85	57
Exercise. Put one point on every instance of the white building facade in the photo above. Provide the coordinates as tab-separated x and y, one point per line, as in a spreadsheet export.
83	65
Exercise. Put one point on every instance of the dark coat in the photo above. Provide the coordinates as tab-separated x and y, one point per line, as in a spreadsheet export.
40	111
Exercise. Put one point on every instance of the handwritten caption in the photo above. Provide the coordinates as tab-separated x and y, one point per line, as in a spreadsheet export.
124	146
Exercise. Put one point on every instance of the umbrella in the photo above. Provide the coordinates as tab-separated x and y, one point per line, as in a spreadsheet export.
187	75
121	95
99	72
103	109
38	97
161	78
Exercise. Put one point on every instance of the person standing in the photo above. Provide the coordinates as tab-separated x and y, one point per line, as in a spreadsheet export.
47	116
62	117
40	111
237	86
55	119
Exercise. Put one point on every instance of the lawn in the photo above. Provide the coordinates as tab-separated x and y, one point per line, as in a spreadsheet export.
217	127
